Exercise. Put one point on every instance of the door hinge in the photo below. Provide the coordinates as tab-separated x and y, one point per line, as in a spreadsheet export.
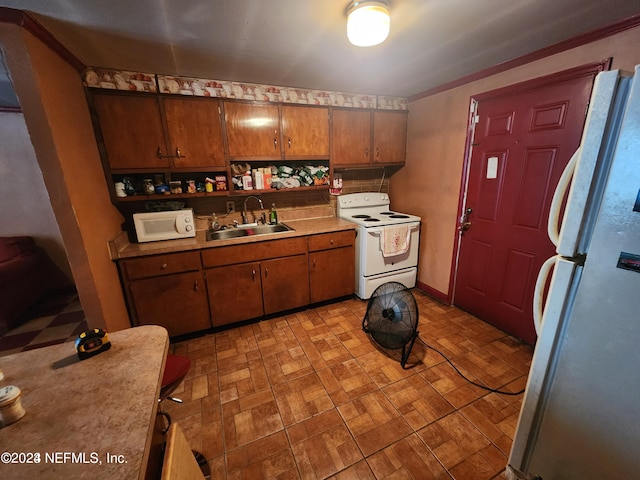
473	112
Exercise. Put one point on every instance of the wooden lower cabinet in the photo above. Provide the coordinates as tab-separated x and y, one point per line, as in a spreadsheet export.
284	283
186	292
331	273
331	265
178	302
250	290
235	293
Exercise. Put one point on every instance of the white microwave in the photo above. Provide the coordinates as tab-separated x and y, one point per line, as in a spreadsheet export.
166	225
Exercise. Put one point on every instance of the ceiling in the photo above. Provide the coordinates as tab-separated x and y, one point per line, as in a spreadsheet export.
302	43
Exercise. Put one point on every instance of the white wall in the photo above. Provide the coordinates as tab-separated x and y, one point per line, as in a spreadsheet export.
26	208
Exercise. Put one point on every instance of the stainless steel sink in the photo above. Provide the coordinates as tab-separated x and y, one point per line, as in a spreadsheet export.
246	231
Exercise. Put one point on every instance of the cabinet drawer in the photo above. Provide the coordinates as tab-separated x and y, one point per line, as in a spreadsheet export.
326	241
162	265
253	252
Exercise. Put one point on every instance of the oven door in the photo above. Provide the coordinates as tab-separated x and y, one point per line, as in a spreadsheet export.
373	262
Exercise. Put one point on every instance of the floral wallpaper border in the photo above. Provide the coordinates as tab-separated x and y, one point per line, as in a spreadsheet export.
152	83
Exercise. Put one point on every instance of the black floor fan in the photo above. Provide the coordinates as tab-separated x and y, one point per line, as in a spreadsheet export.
392	318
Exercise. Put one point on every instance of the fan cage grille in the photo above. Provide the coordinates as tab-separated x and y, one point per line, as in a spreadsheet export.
392	316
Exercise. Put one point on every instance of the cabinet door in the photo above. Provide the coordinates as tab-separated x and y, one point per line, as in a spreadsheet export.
235	293
331	273
131	130
285	283
194	132
351	137
252	130
305	131
389	137
177	302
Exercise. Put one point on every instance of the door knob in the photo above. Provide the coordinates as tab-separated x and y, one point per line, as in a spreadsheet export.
465	224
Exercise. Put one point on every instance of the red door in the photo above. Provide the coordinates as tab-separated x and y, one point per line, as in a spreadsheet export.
523	139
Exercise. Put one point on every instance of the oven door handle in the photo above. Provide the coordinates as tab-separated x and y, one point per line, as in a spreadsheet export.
378	231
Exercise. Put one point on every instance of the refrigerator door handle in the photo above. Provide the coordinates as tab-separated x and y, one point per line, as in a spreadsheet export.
553	227
538	292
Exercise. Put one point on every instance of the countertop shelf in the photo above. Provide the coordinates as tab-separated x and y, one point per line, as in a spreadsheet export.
222	193
276	190
174	196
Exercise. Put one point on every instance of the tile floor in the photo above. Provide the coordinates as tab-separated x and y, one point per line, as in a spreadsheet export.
56	318
308	395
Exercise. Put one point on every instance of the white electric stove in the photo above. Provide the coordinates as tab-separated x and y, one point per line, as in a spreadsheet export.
377	261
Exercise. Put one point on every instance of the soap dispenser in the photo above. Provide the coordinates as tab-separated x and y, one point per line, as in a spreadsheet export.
273	215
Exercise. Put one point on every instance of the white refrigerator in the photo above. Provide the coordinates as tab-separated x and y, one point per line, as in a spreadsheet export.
580	417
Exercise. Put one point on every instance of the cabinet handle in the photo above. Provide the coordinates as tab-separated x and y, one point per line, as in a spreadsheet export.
331	241
289	142
377	152
275	143
177	152
253	275
163	266
160	155
196	287
266	272
313	264
366	152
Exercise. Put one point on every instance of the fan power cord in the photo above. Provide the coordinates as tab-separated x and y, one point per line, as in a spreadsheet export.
484	387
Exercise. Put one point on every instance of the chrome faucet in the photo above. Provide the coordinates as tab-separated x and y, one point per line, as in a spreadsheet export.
244	210
215	225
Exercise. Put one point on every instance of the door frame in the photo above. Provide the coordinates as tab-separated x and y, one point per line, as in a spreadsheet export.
543	81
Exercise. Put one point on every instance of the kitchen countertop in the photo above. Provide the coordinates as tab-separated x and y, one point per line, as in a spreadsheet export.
120	248
79	412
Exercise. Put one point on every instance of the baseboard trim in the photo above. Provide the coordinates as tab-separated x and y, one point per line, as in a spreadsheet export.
432	292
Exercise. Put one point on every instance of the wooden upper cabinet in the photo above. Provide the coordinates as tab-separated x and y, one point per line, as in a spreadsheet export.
351	136
305	131
195	132
131	130
252	130
389	137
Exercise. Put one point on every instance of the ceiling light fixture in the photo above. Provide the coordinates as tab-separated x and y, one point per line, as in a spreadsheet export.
367	22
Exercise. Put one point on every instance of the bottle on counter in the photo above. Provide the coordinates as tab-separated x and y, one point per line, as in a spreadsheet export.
273	215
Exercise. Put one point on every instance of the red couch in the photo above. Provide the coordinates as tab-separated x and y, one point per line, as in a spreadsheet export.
23	278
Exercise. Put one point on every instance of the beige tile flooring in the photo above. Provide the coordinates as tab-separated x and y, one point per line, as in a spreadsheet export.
308	395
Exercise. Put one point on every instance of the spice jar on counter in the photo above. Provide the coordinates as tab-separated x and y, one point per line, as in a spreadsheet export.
11	409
